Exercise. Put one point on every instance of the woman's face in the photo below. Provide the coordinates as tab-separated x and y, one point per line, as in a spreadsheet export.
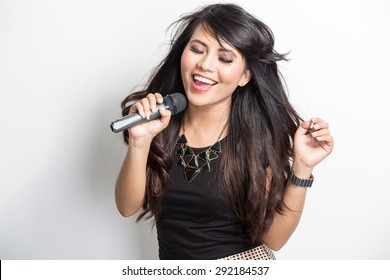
211	70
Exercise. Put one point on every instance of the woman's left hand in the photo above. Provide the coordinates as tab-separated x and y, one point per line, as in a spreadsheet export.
312	143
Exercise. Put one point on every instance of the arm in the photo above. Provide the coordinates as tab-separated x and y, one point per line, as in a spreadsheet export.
309	150
131	183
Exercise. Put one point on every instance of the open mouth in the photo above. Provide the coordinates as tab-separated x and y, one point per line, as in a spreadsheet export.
200	80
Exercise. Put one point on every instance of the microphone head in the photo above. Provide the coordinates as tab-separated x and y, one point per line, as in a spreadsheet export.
177	102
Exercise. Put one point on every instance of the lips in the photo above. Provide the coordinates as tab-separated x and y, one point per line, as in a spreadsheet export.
202	83
204	80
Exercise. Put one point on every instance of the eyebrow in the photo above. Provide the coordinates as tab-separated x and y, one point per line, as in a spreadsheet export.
221	49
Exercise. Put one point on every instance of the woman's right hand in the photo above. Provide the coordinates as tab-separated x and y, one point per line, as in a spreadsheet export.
144	133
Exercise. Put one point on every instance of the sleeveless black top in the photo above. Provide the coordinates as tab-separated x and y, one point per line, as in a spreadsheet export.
197	221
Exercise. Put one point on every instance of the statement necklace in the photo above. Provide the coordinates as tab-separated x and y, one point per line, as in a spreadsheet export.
193	163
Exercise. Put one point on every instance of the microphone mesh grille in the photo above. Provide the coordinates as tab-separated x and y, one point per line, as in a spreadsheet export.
179	102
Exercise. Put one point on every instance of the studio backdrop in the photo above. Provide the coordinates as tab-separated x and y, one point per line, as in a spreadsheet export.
65	66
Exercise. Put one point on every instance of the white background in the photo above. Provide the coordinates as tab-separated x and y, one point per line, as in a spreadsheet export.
65	66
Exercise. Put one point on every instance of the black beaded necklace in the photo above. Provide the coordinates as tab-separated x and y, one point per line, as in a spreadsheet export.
193	163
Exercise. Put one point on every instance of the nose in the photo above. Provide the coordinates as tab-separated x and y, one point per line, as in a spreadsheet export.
206	63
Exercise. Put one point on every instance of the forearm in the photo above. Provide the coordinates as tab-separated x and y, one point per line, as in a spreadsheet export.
285	224
312	143
131	183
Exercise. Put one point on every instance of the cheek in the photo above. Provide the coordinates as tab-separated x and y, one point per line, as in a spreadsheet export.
183	67
232	75
185	62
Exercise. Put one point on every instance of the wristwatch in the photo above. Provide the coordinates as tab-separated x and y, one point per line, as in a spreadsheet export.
304	183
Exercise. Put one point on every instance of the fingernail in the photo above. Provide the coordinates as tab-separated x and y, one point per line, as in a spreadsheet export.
309	130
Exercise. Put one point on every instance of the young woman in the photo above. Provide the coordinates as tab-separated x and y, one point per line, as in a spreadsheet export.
227	177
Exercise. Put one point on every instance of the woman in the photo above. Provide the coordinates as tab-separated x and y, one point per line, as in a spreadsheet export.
221	179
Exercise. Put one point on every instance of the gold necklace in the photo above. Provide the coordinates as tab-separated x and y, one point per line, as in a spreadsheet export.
193	163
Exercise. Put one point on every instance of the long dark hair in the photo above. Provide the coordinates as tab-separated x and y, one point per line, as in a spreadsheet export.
261	127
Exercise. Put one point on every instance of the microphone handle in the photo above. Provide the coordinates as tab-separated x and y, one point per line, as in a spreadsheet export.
135	119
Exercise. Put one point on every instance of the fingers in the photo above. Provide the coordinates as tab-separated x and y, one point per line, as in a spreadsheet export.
319	130
306	125
165	116
147	105
312	125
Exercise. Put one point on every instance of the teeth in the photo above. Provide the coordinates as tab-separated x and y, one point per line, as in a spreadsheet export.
204	80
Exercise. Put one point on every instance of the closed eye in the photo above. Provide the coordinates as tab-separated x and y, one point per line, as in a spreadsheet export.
226	60
195	50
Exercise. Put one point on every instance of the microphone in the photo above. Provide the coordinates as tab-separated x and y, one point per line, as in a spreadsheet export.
175	102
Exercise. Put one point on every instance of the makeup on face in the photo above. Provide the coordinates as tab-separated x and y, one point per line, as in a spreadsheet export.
211	66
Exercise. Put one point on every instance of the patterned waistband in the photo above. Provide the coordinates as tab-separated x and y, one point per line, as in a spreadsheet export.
261	252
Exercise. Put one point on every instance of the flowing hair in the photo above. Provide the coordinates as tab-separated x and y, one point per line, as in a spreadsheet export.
261	127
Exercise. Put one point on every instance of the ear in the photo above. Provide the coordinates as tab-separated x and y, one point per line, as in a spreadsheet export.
245	78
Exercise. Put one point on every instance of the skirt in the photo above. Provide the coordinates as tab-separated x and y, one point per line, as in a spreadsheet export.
261	252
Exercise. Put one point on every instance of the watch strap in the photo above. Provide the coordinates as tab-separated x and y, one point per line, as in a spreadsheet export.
299	182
